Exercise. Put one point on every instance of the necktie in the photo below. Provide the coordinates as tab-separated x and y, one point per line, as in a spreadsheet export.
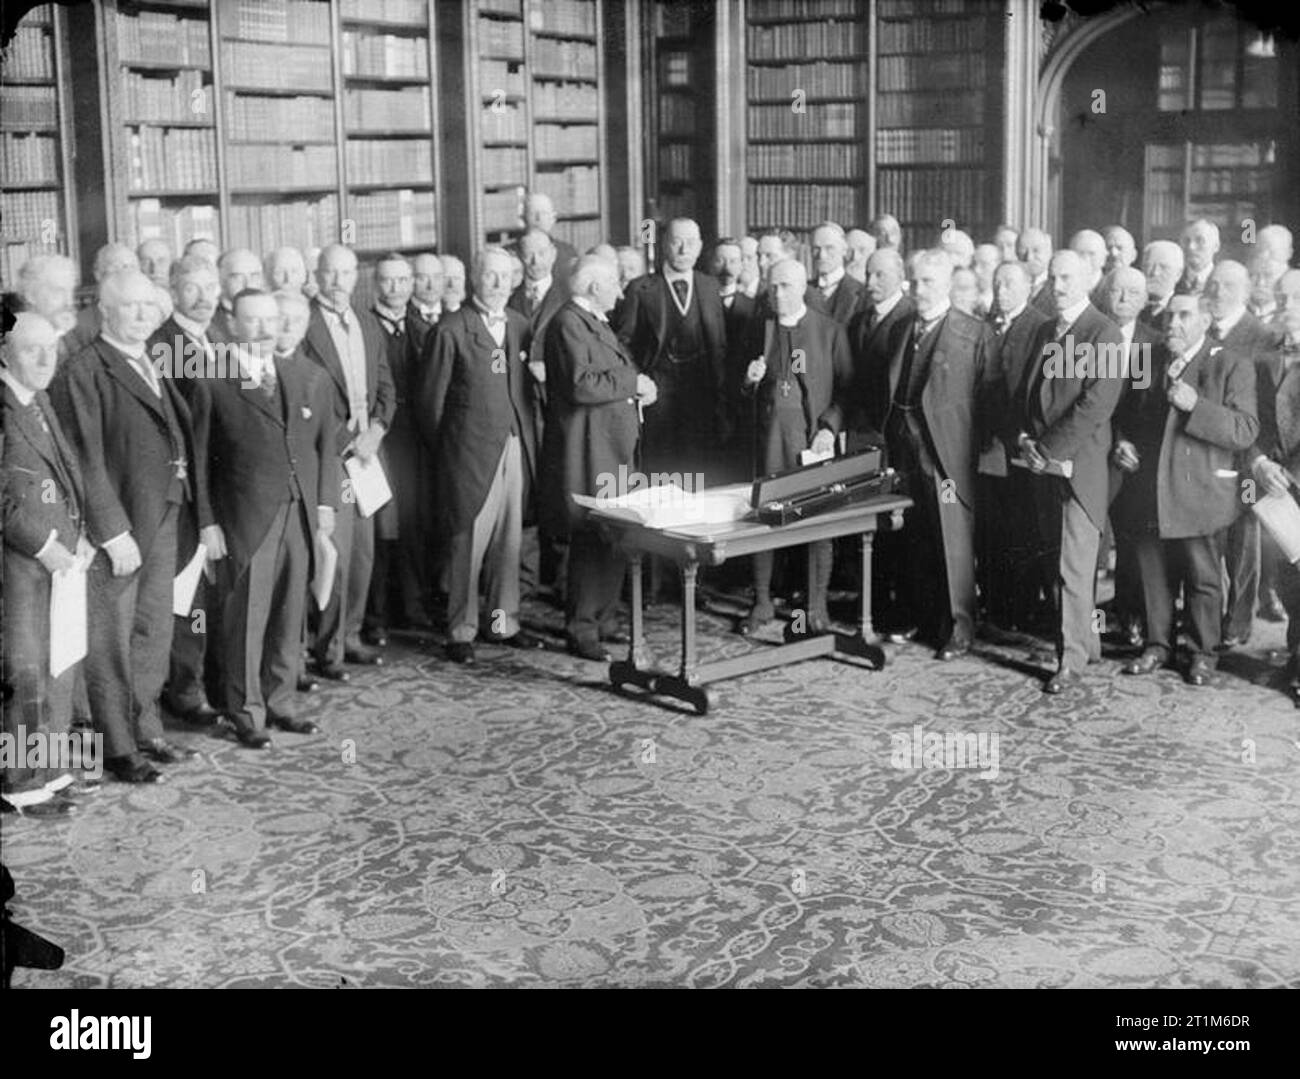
343	319
393	326
679	287
1063	327
141	364
1215	332
268	377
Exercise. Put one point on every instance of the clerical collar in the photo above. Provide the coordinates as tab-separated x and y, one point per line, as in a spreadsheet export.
790	321
1071	314
885	306
585	303
25	396
134	352
194	329
832	278
1225	326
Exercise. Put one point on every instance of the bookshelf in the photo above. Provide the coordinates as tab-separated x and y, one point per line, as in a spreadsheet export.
1225	182
806	120
36	213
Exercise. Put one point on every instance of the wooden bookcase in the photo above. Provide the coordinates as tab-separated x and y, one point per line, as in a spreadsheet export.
36	209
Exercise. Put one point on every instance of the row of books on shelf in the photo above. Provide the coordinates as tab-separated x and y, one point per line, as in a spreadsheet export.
409	12
558	143
505	164
569	100
500	78
390	56
583	234
281	166
29	106
507	122
30	215
498	38
279	118
939	71
914	9
302	223
29	158
159	37
675	19
174	159
564	16
806	39
381	161
926	36
803	9
784	160
933	194
305	22
941	145
503	210
561	59
676	163
1235	182
815	80
818	121
677	203
277	67
573	190
801	206
922	107
30	55
1231	154
152	219
503	7
676	115
393	218
13	255
405	110
159	98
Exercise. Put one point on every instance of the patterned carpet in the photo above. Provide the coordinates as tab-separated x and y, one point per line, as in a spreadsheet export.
520	824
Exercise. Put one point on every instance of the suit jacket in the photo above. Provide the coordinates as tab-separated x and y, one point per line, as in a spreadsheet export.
419	328
466	421
874	348
41	493
539	319
844	303
1278	408
953	399
1009	357
643	324
222	327
1042	300
381	394
1187	482
592	426
83	334
120	433
261	450
1070	416
1156	323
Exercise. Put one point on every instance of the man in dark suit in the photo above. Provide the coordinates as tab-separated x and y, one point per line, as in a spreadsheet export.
187	354
1034	247
736	433
1063	415
672	324
833	292
477	400
47	285
1009	552
238	269
351	347
425	305
1275	458
1200	243
799	378
271	434
1227	289
539	213
112	258
592	429
145	490
1162	265
933	423
423	311
43	498
1179	440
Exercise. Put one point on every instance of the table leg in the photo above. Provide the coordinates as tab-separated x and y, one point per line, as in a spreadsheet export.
637	654
868	541
690	570
863	643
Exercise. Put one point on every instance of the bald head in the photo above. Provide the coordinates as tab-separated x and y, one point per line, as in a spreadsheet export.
336	275
539	211
1275	241
1200	243
1121	249
1091	248
285	268
1034	249
239	269
884	274
1067	276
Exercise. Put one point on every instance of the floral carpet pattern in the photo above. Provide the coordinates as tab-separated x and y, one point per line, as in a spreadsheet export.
521	824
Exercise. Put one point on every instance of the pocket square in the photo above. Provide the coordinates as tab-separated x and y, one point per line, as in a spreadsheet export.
306	413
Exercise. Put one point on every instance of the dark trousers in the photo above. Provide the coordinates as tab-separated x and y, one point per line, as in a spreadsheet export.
1192	564
261	621
596	572
1009	550
1070	540
400	563
1288	591
340	622
1241	555
39	703
820	558
130	627
193	668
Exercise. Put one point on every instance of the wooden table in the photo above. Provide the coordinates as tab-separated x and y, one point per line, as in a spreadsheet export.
713	545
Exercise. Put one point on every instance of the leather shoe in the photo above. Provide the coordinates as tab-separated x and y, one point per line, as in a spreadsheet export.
377	637
1131	631
901	636
522	640
1152	659
202	714
591	650
954	649
1198	671
1271	610
307	684
165	752
133	769
754	622
1062	680
335	672
249	737
363	655
1231	641
292	724
461	652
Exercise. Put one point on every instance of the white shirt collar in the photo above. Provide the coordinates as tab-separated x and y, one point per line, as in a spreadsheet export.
1010	318
585	303
1127	332
1187	356
194	329
728	290
934	316
886	305
674	275
790	321
539	288
389	313
24	395
1071	314
135	352
428	313
1225	326
1267	311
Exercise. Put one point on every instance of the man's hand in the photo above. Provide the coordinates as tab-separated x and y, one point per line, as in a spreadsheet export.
366	444
756	372
57	557
325	521
823	441
1125	455
646	390
124	555
215	541
1182	396
85	552
1034	457
1271	476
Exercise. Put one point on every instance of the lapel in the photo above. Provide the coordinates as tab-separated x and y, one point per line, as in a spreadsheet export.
255	396
120	368
322	343
30	429
660	291
479	332
896	360
605	332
